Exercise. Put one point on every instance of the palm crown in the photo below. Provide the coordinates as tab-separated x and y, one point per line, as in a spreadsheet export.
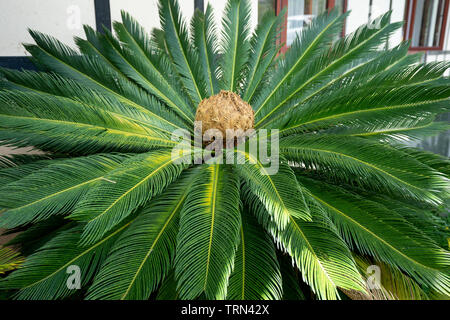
109	197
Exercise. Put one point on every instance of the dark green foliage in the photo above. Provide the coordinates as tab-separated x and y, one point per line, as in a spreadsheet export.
109	197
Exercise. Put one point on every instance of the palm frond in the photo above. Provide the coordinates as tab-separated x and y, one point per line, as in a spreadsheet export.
291	280
137	59
180	48
370	164
394	285
318	252
70	127
358	71
54	189
45	274
31	239
204	37
235	44
264	49
56	85
90	72
19	170
209	234
256	274
371	102
280	192
168	289
435	161
381	233
333	62
403	130
124	190
144	253
311	43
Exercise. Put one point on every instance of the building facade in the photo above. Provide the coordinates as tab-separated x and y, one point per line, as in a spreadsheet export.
427	24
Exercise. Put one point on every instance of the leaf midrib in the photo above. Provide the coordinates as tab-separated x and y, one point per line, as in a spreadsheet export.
155	241
137	185
182	51
321	72
369	232
344	114
310	47
121	97
213	213
357	160
81	254
117	131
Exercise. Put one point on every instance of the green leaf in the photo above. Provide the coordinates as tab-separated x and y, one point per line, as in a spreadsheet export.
235	45
291	281
377	231
256	274
91	72
375	165
137	59
45	274
279	192
209	234
185	58
394	285
168	289
322	70
53	190
18	170
357	71
373	105
205	40
318	252
56	85
144	253
70	126
404	130
124	190
313	41
263	49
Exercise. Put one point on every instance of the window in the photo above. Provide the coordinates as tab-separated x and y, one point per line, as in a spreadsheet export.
426	21
301	12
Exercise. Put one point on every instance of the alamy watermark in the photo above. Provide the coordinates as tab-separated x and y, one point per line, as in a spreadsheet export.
74	280
373	277
236	147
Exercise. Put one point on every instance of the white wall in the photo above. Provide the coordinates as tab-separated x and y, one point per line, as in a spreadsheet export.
146	11
62	19
398	14
360	15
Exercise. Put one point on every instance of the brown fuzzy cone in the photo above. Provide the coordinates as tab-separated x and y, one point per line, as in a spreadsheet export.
223	111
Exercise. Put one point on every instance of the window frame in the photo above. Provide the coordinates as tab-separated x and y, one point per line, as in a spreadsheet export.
408	29
281	4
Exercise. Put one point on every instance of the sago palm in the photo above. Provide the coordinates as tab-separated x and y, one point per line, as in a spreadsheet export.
109	197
